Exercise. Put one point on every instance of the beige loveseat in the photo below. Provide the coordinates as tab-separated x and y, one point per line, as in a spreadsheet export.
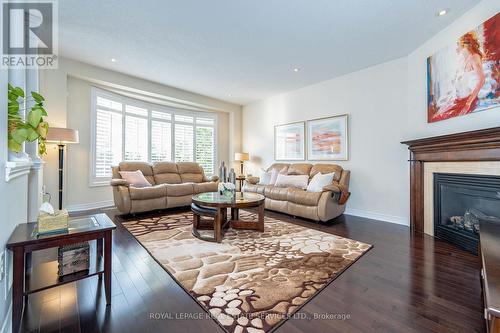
319	206
173	186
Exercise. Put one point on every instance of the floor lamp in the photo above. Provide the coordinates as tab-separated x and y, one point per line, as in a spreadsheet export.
61	137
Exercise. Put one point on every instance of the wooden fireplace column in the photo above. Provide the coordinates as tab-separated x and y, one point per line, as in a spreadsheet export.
473	146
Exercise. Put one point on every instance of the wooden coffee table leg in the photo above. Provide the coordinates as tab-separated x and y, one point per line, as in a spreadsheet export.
235	214
217	225
261	217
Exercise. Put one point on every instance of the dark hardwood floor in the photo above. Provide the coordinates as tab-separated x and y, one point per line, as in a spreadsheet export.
404	284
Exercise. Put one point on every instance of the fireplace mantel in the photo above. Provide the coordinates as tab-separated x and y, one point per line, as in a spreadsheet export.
481	145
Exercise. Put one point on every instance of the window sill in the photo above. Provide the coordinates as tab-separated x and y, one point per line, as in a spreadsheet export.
15	169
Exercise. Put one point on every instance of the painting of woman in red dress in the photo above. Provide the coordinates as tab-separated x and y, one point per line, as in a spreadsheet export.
466	78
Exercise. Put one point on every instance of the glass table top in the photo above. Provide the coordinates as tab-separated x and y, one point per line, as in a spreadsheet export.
216	197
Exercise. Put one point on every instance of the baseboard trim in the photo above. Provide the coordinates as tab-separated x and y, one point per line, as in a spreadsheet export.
90	206
7	324
378	216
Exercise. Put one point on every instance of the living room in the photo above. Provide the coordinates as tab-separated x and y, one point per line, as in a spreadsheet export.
250	167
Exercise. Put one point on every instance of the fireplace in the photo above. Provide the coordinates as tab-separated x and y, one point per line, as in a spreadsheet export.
460	201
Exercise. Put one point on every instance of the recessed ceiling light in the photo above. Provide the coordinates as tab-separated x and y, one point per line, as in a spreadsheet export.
113	60
296	69
442	12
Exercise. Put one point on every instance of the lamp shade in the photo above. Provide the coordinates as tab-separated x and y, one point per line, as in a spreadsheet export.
62	135
241	157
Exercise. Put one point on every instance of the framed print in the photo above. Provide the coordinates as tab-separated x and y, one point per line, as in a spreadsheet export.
289	142
327	139
464	77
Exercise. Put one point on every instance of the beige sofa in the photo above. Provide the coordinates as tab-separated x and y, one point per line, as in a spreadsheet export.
173	186
319	206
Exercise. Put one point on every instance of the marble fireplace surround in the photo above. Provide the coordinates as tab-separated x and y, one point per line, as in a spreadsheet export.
475	152
469	168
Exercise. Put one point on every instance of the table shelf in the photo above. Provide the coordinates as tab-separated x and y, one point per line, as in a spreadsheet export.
44	276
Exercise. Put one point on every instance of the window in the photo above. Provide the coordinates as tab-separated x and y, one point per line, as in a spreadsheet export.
128	129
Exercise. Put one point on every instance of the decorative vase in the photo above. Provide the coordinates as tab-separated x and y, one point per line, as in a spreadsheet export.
232	177
222	172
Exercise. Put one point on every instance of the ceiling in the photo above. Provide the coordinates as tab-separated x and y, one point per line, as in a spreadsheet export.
241	50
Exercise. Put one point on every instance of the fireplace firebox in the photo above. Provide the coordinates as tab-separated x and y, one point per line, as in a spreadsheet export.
460	201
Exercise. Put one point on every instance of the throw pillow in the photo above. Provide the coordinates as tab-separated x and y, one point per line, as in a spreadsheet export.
275	173
297	181
135	178
265	177
319	181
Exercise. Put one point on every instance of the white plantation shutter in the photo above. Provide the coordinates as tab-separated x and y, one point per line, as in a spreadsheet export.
108	141
161	141
183	138
128	129
205	143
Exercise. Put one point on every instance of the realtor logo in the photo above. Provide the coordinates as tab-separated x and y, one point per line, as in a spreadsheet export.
29	37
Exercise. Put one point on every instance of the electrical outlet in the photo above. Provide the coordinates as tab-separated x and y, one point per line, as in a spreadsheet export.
2	266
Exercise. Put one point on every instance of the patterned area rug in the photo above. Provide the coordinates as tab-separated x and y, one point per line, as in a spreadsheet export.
252	281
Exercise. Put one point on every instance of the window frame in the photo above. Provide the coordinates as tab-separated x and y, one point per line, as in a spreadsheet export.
125	100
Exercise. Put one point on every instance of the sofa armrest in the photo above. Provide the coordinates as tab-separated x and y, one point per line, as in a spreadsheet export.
253	180
213	178
339	192
118	182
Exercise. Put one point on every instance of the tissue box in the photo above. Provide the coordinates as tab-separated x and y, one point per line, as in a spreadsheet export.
73	258
48	223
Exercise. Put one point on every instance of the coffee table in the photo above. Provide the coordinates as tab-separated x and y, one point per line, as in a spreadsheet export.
220	203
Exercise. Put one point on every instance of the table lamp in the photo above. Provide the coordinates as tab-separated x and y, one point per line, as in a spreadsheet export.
61	137
241	157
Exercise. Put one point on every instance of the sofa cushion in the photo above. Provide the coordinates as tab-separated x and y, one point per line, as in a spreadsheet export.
299	169
296	181
255	188
135	178
302	197
190	172
166	173
143	193
145	168
276	193
204	187
179	190
327	168
278	166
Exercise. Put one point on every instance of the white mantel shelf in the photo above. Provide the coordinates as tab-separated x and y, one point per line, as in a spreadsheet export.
15	169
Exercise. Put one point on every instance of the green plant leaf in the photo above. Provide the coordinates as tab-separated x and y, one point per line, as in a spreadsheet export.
13	107
12	96
19	92
10	86
20	134
15	146
34	117
39	98
32	135
43	129
42	148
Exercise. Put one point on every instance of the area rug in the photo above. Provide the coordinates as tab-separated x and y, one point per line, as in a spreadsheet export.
252	281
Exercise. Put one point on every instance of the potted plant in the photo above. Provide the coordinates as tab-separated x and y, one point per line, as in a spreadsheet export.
32	127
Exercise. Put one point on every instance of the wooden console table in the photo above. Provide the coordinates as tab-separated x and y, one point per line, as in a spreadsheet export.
489	234
27	280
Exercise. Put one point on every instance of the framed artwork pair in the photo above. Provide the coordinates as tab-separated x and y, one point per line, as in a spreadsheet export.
327	140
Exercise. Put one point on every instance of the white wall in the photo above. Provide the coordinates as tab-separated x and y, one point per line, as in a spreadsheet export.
375	100
67	95
417	78
386	105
